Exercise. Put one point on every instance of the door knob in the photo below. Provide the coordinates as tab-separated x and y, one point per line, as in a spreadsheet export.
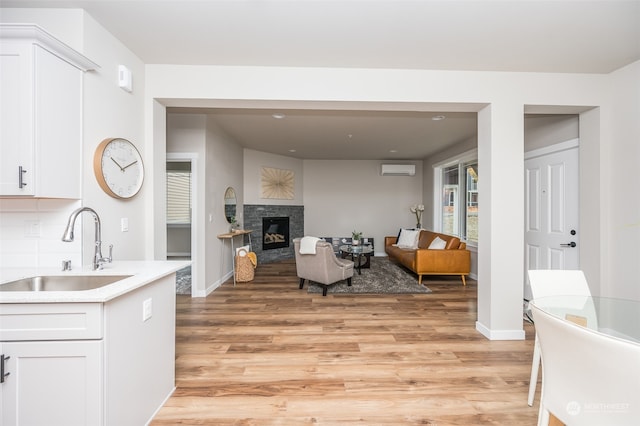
571	244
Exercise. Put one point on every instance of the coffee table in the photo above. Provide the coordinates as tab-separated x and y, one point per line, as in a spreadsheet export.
357	252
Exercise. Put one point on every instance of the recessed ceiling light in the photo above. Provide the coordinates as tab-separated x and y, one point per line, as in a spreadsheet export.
438	117
292	150
278	115
393	151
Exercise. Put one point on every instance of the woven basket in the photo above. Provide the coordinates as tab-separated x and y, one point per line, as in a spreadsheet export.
245	271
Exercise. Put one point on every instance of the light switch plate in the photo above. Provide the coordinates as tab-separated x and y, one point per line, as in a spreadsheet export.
147	309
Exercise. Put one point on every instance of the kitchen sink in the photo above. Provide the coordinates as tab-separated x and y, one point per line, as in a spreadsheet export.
62	282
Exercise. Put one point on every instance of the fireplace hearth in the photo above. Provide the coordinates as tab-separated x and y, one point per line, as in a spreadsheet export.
275	232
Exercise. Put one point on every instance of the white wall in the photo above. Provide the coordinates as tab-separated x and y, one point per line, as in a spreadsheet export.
224	168
621	249
109	112
254	161
544	130
219	164
343	196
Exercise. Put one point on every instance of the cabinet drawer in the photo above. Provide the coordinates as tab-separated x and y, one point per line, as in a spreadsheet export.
55	321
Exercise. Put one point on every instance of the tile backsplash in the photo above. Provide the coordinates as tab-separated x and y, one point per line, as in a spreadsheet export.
31	233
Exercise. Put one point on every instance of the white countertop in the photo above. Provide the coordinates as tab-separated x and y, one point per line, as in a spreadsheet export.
142	273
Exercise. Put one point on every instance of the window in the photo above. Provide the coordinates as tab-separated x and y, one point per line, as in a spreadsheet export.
178	196
457	182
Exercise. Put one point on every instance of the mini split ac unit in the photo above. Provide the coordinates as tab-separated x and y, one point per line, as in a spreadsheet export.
398	170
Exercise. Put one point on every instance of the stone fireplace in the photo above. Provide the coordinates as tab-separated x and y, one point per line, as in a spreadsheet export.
253	215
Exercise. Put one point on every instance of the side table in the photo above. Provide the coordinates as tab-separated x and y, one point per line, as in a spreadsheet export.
357	253
230	236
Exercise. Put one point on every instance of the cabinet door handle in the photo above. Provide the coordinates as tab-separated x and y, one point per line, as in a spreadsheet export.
3	358
21	172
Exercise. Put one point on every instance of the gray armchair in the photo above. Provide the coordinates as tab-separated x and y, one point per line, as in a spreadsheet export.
323	267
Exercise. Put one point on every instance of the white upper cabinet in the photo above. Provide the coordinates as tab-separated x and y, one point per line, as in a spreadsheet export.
40	114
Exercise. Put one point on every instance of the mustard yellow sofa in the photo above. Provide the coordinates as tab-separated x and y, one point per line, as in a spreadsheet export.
452	259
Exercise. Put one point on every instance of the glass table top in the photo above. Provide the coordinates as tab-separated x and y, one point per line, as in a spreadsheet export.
359	249
614	317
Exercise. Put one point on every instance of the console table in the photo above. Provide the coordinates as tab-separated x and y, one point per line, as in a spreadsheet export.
230	236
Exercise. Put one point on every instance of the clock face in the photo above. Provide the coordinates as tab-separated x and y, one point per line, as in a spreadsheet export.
118	168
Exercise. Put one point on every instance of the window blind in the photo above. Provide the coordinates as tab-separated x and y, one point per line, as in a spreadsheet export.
178	197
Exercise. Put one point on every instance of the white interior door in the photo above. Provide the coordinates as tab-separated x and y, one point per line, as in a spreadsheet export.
552	237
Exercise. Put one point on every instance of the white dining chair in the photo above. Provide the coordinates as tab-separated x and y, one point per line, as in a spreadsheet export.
552	282
588	378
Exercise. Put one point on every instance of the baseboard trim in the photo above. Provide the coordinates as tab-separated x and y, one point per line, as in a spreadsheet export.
499	334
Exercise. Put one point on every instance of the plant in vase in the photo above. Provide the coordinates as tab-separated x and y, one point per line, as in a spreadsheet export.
417	209
234	224
355	238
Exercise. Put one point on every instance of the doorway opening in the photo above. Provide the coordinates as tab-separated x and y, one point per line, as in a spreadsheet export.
180	226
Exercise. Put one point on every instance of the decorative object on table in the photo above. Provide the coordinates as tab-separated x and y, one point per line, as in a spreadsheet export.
118	168
245	267
384	277
277	183
417	209
233	224
355	238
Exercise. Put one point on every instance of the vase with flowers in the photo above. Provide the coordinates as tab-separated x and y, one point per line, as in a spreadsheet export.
417	209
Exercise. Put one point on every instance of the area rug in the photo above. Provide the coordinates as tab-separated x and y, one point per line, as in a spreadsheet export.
383	277
183	281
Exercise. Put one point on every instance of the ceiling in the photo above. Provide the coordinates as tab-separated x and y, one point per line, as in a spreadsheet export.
562	36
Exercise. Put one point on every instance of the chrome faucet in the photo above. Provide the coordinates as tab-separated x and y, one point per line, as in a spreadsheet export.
98	259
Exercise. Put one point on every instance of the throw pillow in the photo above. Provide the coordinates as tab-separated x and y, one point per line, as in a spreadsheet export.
408	229
438	244
408	238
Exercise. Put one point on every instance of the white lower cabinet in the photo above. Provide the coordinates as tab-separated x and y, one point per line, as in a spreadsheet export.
52	383
93	364
53	364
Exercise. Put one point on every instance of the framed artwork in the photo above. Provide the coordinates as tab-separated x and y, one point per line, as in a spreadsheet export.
277	183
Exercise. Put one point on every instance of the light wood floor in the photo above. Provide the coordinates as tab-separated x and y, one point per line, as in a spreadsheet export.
266	353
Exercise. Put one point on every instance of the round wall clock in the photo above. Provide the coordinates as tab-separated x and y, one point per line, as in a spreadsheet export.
118	167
